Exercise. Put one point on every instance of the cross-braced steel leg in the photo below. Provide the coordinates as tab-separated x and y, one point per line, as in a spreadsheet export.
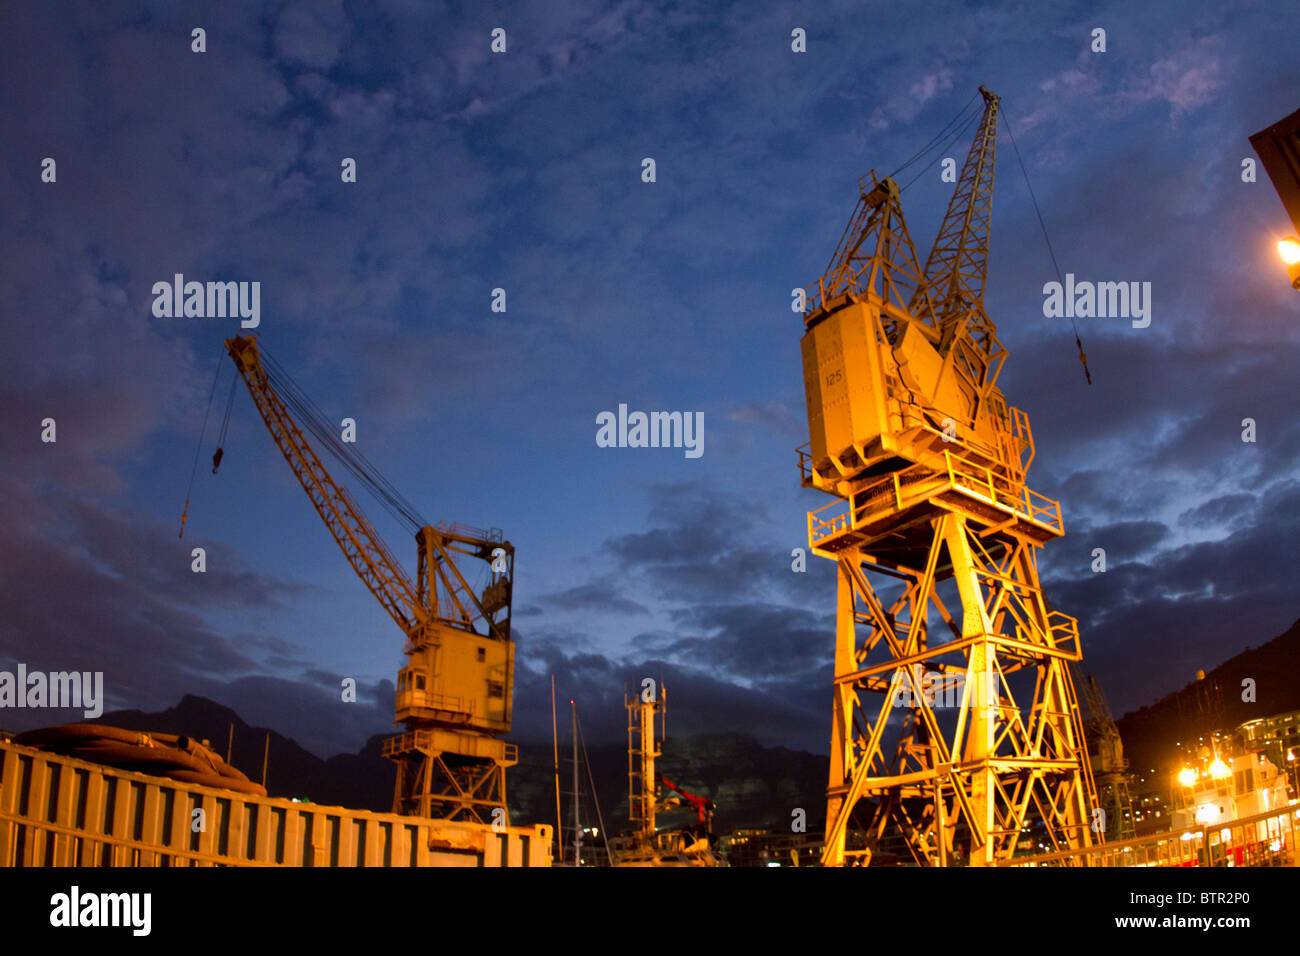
964	740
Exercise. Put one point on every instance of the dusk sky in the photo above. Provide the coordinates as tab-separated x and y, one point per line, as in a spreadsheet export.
522	170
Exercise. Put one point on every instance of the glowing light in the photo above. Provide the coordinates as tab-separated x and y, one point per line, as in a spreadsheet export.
1289	250
1187	777
1207	813
1219	769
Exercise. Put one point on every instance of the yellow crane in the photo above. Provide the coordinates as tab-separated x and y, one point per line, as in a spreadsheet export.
1106	758
956	731
649	846
454	694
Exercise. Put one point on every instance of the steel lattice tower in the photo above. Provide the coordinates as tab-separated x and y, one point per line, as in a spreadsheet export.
956	725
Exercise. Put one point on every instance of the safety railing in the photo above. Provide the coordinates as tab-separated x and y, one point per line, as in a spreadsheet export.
804	452
1064	630
814	296
428	740
901	489
494	535
431	701
1023	434
820	529
1266	839
983	482
879	497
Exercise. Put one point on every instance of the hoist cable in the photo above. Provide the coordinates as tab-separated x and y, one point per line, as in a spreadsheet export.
935	139
225	421
952	140
1043	225
199	448
347	455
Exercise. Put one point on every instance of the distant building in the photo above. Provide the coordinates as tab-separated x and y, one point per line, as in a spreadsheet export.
1219	791
1151	800
762	847
1278	737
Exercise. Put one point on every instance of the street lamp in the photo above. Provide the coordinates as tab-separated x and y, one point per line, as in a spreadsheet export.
1289	250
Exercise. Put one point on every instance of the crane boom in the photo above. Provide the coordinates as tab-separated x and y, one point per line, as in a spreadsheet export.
702	806
957	271
356	537
957	267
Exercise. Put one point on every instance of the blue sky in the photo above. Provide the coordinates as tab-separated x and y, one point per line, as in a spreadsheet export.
522	171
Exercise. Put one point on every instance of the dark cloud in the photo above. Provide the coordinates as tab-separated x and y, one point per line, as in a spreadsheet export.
522	171
787	714
1231	510
1123	541
776	417
1148	624
709	545
754	641
594	597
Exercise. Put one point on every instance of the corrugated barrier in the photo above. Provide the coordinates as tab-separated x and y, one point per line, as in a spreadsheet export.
59	811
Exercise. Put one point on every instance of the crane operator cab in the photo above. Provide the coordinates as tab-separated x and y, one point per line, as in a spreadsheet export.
458	679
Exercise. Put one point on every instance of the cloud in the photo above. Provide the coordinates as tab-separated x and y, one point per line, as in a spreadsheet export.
1189	77
905	106
756	642
311	34
705	544
699	702
1233	511
1215	596
593	597
522	171
775	417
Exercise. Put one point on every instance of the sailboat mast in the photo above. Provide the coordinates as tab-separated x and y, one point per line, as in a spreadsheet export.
577	829
555	748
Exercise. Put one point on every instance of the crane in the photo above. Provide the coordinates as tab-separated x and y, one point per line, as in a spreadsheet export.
648	846
964	734
1106	756
455	693
702	806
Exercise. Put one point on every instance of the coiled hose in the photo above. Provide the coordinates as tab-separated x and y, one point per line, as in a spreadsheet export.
162	755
